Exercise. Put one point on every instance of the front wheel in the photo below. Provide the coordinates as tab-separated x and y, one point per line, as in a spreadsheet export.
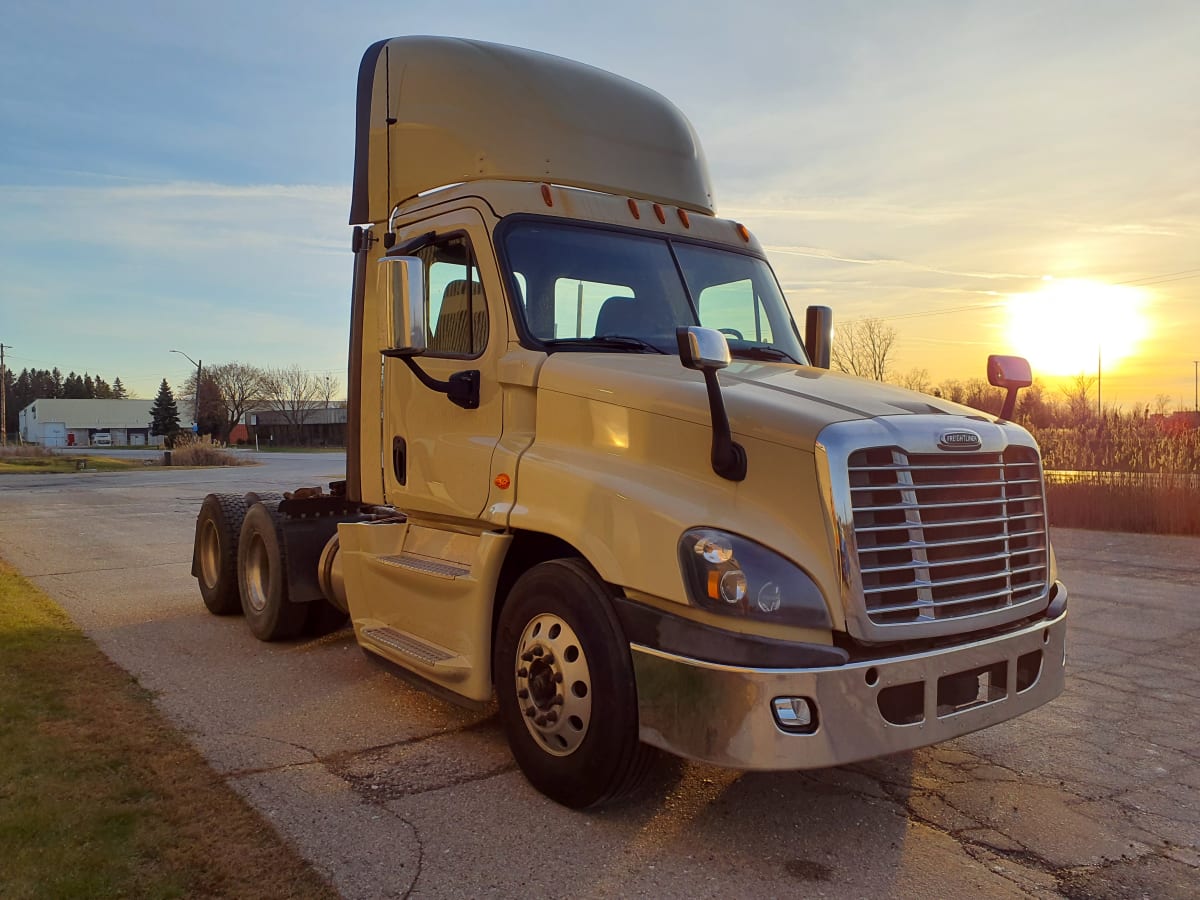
565	685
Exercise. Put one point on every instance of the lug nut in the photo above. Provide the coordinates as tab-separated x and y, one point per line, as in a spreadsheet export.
557	701
530	711
522	672
540	720
537	651
551	717
548	659
527	656
558	677
523	694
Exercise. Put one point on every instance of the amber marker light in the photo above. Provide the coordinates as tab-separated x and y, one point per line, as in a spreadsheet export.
683	217
546	195
662	216
503	481
714	584
743	232
637	214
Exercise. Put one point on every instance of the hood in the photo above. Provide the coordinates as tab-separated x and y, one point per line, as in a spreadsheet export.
781	403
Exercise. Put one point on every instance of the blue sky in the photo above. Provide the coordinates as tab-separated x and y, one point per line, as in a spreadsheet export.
179	177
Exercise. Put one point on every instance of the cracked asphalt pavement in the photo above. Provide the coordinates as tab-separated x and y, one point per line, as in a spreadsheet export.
393	793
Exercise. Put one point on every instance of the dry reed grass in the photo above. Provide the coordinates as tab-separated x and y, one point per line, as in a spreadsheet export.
190	450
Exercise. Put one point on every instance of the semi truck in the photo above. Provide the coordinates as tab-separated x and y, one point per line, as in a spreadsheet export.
597	474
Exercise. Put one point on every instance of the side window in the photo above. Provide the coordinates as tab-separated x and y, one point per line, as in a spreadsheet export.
735	309
457	309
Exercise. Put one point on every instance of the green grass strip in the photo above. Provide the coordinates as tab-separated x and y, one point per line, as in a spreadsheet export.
99	796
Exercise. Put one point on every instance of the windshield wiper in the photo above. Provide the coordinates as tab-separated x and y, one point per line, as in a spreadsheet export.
762	351
606	342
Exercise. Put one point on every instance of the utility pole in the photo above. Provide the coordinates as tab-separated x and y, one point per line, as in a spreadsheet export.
196	399
1196	399
3	397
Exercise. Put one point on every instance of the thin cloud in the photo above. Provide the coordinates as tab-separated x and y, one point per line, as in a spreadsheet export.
818	253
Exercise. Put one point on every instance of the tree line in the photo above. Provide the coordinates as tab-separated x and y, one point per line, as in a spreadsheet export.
228	391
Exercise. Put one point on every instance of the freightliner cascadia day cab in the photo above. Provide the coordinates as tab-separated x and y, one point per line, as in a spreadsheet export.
595	472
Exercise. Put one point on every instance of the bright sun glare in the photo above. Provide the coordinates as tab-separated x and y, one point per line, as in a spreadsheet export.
1062	326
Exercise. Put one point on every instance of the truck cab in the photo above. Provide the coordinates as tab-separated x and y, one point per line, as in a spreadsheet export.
597	473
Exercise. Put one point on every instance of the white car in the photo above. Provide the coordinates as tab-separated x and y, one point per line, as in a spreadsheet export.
101	439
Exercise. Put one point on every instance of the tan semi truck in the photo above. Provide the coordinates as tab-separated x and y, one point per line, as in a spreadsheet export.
594	470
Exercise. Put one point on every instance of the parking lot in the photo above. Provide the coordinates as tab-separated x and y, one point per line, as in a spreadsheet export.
390	792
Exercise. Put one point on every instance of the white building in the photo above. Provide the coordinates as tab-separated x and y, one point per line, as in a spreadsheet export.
74	423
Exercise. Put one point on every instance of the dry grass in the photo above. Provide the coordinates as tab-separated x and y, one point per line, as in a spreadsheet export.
1124	473
99	797
190	450
1158	503
25	451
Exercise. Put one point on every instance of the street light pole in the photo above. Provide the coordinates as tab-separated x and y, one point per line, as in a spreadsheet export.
196	399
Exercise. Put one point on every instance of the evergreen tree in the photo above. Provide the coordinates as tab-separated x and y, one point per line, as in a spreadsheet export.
73	388
11	410
164	415
118	390
101	389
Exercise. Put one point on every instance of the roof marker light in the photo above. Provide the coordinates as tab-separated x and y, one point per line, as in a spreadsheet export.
743	232
662	216
683	217
546	195
637	214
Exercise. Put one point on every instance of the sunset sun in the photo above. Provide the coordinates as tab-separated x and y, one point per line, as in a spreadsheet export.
1064	326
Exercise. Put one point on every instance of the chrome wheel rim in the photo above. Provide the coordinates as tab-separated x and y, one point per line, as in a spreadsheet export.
553	684
210	553
258	573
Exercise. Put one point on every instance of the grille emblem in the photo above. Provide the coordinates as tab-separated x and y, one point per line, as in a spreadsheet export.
959	440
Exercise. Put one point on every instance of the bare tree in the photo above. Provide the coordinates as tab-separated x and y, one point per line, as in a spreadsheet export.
230	390
330	387
1162	403
1079	397
241	388
915	380
862	347
293	393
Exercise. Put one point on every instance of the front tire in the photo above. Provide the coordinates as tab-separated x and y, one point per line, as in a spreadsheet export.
218	528
262	576
565	685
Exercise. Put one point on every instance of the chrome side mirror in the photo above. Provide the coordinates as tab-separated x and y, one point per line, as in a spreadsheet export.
404	277
818	335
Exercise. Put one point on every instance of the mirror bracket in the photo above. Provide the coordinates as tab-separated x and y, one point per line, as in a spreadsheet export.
462	388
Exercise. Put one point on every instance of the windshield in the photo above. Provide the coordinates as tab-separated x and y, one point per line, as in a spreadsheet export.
594	289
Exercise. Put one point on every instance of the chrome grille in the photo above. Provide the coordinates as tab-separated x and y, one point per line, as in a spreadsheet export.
947	535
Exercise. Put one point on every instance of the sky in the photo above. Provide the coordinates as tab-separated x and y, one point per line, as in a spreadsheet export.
985	177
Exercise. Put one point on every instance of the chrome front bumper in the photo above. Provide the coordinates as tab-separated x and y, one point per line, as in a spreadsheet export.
723	714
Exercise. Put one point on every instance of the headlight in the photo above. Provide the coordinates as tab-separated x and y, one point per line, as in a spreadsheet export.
729	574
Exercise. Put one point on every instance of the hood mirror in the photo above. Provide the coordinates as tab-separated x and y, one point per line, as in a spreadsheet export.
1011	373
707	350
